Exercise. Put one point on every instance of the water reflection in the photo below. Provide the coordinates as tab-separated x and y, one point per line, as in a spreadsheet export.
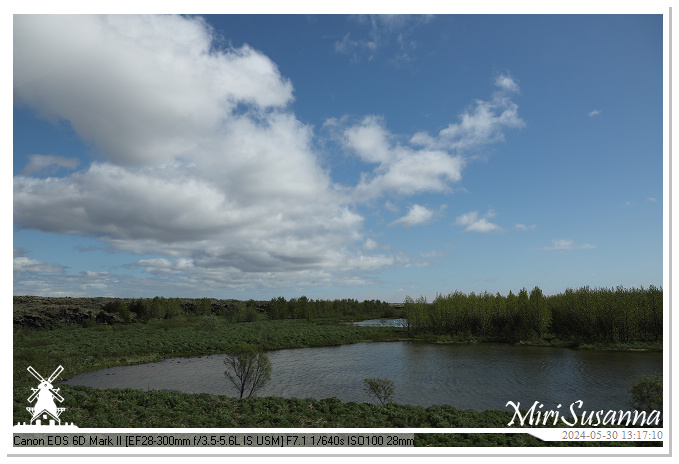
474	376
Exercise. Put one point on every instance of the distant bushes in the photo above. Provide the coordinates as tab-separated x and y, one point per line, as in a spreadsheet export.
146	309
243	312
585	315
305	308
576	317
156	308
120	308
202	307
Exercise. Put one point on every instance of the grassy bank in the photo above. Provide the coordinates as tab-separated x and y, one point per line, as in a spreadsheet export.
134	409
87	348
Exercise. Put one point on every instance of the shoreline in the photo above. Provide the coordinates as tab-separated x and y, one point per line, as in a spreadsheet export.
86	349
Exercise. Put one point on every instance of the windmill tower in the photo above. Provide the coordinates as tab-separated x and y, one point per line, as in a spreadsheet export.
46	394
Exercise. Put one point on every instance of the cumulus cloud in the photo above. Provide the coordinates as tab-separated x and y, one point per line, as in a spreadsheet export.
481	124
472	222
567	244
200	158
201	163
400	168
421	162
154	79
506	83
417	215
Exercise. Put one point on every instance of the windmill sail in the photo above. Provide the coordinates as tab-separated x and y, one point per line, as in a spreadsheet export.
35	373
55	373
56	395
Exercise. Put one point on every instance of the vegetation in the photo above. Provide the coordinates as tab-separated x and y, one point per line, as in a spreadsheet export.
127	408
42	312
89	334
614	318
382	389
84	349
647	393
576	317
248	368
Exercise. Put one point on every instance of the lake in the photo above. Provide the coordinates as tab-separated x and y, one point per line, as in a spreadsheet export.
466	376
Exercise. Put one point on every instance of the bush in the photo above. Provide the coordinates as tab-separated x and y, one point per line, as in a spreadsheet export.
120	308
203	307
208	323
139	308
647	393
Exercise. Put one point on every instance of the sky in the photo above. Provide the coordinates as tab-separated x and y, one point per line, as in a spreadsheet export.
336	156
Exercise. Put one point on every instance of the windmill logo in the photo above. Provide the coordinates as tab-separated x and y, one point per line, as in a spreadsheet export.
44	396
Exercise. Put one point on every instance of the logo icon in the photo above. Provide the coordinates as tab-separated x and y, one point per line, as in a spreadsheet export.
45	407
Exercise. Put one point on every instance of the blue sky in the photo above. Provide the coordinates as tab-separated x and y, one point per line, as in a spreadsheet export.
336	156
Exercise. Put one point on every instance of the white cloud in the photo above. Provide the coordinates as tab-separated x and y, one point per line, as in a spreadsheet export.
594	112
422	163
154	79
370	140
506	83
425	163
524	227
48	164
370	244
417	215
473	223
202	164
201	159
567	244
480	125
25	264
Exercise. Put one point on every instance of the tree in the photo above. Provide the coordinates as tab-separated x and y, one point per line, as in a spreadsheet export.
120	308
203	307
382	389
647	393
248	368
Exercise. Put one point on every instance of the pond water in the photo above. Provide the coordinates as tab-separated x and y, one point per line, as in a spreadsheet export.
474	376
382	322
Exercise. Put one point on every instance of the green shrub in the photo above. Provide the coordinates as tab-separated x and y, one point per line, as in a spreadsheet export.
140	309
647	393
208	323
203	307
120	308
